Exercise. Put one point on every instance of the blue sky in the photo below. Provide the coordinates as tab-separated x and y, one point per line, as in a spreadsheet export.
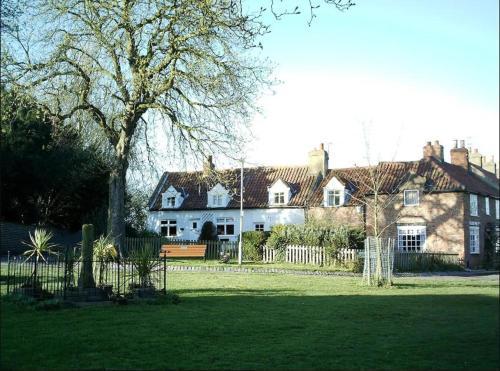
409	71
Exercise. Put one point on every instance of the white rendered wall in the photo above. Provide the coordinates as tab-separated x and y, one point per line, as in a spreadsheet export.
269	217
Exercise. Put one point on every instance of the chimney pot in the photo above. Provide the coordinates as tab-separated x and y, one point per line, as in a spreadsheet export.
455	144
322	146
434	150
462	143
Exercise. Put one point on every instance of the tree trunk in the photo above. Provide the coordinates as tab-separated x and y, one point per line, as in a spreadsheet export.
116	207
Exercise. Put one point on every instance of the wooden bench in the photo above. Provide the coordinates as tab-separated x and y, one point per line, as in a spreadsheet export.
183	251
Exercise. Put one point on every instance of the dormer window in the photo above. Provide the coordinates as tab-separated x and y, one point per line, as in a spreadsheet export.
171	198
334	197
335	194
279	198
218	196
170	202
217	200
279	193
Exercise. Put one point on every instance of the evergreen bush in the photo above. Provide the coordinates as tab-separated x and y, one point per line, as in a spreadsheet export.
252	243
208	232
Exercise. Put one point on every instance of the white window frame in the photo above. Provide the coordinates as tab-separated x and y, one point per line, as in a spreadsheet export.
170	202
224	222
217	199
420	238
473	203
474	239
333	195
169	223
193	227
406	198
497	209
257	228
487	205
280	196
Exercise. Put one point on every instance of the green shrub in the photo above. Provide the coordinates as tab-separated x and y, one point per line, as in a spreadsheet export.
252	243
333	238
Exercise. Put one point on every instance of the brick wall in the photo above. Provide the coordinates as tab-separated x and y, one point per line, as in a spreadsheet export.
344	215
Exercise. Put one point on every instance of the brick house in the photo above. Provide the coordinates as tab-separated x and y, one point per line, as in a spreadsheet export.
429	204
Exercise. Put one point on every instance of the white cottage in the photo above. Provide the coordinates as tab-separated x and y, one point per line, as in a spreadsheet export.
183	201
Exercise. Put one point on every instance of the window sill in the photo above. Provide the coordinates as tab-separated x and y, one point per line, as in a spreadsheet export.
411	205
474	253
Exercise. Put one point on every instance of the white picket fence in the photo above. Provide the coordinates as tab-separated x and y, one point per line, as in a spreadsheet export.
310	255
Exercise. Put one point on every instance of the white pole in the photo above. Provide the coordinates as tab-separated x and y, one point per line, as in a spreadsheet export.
241	214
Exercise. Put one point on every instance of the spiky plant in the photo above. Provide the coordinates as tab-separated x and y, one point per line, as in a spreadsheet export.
38	246
144	261
104	252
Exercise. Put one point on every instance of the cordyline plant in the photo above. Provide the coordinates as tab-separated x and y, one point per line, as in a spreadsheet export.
39	246
104	253
144	263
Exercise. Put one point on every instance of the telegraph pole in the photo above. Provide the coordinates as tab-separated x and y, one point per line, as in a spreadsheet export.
241	214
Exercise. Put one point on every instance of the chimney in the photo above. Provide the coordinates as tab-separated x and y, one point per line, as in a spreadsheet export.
318	161
476	158
435	150
460	155
208	166
490	165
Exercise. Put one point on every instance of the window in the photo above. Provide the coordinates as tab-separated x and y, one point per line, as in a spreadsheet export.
474	239
473	205
487	205
333	198
259	227
411	238
279	198
497	209
194	223
217	200
225	226
411	197
168	228
170	202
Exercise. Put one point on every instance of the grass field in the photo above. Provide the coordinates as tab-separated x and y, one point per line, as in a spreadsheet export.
250	321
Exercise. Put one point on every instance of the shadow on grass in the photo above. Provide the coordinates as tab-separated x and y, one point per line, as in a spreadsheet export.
260	328
445	284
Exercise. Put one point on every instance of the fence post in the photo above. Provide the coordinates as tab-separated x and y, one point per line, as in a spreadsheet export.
65	282
8	272
165	273
118	284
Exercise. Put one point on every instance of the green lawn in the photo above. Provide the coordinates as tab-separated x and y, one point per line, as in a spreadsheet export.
249	321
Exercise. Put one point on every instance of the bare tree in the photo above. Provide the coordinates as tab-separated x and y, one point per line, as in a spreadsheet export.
122	67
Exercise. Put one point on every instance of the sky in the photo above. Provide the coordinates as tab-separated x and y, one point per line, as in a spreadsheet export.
399	73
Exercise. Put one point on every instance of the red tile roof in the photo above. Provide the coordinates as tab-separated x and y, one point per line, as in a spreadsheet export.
255	182
443	177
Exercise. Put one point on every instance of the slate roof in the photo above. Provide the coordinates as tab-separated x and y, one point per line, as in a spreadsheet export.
442	176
